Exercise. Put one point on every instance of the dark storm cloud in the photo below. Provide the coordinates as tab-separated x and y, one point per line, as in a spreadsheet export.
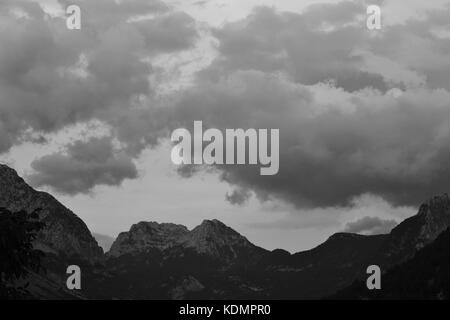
370	226
331	152
301	45
331	42
168	33
83	166
319	76
51	77
325	81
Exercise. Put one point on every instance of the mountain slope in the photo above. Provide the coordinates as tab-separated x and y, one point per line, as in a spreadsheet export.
324	269
416	232
213	261
220	263
145	235
344	257
154	260
426	276
64	232
211	238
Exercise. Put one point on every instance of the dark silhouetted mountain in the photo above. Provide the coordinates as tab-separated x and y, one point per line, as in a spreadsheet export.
213	261
65	238
345	257
168	261
64	232
416	232
426	276
324	269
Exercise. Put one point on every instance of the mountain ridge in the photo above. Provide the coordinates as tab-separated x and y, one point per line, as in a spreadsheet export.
322	270
415	232
166	260
425	276
64	232
211	237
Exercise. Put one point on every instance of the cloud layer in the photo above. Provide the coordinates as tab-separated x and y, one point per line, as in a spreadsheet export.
51	77
82	166
359	112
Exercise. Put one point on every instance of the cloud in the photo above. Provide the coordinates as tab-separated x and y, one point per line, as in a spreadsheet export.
358	112
330	217
169	33
331	41
52	77
331	151
82	166
340	135
370	226
311	47
238	196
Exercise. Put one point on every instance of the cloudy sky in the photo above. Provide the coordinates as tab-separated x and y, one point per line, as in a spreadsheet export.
364	115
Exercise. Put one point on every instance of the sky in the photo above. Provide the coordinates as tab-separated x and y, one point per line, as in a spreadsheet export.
364	115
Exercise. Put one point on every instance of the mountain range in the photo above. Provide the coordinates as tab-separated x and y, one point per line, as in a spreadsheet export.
212	261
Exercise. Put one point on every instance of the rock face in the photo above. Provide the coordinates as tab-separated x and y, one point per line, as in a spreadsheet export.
145	235
217	240
211	238
214	261
64	232
424	277
319	272
185	286
168	261
418	231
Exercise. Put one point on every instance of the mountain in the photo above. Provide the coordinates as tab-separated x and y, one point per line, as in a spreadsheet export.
64	233
212	261
216	240
323	270
165	260
218	262
415	258
65	238
211	238
144	235
416	232
343	258
424	277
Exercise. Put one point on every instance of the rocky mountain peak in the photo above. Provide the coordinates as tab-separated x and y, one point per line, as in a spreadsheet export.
436	206
214	231
214	228
155	228
8	172
417	231
144	235
212	238
217	240
64	232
